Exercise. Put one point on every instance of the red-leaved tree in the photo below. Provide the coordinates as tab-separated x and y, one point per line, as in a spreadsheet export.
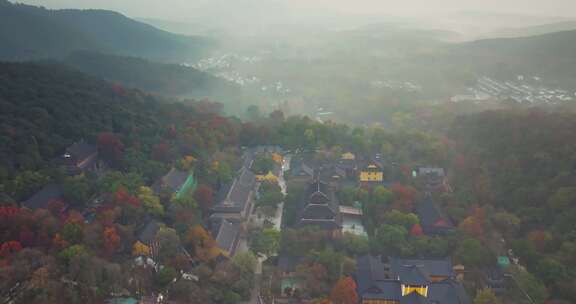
110	148
204	195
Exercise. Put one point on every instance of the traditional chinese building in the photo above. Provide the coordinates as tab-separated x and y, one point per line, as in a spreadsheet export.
382	280
372	172
319	207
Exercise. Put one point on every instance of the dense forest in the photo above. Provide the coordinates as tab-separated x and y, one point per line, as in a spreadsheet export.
519	164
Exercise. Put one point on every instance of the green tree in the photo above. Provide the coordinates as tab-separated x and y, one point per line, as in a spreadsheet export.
186	201
71	252
507	222
266	241
381	195
72	233
331	260
115	180
486	296
76	190
355	244
550	270
390	239
347	195
246	264
270	196
406	220
26	183
262	165
562	198
472	253
230	297
169	243
165	276
150	201
531	285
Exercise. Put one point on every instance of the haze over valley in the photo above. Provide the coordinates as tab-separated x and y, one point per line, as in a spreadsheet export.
288	151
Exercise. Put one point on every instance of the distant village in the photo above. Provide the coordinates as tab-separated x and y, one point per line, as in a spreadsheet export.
524	89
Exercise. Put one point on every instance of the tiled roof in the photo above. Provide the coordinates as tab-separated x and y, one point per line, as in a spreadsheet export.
431	171
431	267
41	198
227	236
319	206
148	234
449	292
412	275
381	278
82	150
172	181
234	197
431	219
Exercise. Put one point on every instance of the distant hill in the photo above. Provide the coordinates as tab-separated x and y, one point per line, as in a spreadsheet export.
550	56
166	79
29	32
533	30
398	31
177	27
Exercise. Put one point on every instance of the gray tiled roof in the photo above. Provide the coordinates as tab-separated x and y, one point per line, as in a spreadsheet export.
148	234
234	197
430	215
449	292
41	198
82	150
431	267
412	275
319	207
381	278
227	235
173	181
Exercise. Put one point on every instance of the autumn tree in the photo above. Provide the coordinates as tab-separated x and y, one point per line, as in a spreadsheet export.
416	230
539	239
110	148
204	195
204	245
403	196
344	292
111	240
140	249
474	224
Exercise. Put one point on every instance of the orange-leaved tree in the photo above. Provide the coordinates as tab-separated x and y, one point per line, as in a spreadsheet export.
344	292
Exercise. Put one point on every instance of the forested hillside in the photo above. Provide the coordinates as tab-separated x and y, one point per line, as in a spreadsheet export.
85	243
29	32
45	108
519	165
165	79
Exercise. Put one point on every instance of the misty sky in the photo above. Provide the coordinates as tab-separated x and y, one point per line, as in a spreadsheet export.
177	9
